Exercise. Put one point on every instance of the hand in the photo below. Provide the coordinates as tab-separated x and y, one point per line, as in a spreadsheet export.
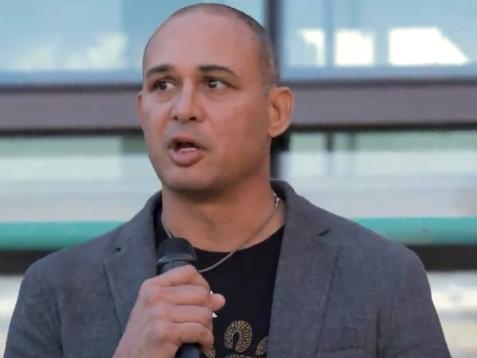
171	309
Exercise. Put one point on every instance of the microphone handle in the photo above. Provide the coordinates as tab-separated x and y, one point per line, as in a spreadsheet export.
187	350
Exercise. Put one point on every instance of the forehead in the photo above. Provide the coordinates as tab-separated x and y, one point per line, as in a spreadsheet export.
199	38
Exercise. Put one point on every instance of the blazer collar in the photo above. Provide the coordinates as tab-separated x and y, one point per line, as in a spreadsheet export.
304	274
134	261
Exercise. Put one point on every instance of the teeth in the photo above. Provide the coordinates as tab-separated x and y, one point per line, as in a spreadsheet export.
187	149
185	146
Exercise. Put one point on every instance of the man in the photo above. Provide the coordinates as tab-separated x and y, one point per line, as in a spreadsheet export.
275	276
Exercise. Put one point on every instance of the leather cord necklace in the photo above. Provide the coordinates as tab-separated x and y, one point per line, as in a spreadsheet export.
276	204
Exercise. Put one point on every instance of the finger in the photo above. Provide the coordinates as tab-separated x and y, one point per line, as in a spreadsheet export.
181	276
217	301
194	295
185	295
191	314
195	333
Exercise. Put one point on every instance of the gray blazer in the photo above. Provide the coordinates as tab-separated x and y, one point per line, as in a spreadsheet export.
341	292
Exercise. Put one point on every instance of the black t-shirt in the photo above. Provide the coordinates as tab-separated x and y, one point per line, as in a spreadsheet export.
246	280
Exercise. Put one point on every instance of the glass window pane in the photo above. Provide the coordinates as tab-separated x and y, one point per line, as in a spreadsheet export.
386	174
74	178
369	174
372	38
83	41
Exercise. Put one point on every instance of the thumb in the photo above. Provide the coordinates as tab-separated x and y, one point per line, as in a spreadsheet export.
217	301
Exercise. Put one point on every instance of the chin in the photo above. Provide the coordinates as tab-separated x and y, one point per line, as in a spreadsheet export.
191	186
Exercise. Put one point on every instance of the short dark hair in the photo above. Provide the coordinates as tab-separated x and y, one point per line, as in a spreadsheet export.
266	51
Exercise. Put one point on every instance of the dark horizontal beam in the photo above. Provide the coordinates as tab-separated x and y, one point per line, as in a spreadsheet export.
418	105
69	110
345	105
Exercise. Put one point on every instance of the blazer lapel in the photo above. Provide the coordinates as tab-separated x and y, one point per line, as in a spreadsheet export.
304	276
134	262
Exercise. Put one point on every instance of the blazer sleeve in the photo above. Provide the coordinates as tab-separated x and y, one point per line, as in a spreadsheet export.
414	330
34	327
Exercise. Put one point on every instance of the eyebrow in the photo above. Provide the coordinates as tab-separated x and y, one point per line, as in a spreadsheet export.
202	68
159	69
217	68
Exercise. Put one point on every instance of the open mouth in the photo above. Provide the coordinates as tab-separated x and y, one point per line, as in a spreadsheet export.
184	151
183	145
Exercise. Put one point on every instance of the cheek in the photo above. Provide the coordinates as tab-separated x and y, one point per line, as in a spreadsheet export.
154	126
154	122
243	130
252	123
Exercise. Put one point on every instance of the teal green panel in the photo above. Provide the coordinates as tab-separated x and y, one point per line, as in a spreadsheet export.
425	231
417	231
50	235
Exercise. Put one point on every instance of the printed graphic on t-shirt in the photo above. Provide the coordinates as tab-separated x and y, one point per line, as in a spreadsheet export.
238	338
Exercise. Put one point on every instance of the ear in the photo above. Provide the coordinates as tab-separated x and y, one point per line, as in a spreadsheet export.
139	107
280	110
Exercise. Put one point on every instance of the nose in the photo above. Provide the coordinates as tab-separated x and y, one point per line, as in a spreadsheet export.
186	106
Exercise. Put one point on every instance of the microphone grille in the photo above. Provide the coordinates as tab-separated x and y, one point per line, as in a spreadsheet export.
175	245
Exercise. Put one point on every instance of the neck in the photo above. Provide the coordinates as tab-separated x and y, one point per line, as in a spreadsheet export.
226	222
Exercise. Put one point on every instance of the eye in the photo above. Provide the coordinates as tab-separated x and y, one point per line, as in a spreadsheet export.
161	85
215	83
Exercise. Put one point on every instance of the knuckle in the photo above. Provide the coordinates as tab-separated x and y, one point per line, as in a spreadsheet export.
207	338
205	317
145	287
161	311
152	295
164	332
189	270
148	289
203	295
148	297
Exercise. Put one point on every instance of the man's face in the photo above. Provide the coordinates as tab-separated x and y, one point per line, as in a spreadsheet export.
203	107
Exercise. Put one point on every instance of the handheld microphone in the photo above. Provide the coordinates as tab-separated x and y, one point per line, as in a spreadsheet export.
172	253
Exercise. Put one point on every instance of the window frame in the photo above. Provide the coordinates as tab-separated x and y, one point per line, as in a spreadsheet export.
343	104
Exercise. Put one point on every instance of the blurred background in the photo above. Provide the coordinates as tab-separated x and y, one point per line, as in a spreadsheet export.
384	131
